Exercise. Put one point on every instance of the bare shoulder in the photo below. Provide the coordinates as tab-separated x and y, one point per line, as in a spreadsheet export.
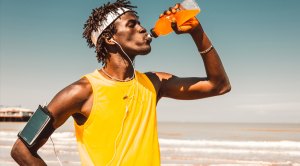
157	78
70	100
78	91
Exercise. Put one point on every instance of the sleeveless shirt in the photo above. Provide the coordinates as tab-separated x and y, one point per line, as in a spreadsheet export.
121	128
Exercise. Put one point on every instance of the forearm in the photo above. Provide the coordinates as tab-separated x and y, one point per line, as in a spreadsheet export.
214	68
23	156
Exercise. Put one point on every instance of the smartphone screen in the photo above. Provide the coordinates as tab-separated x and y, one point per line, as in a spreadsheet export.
34	126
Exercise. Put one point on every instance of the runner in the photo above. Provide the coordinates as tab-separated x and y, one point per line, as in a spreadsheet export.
114	108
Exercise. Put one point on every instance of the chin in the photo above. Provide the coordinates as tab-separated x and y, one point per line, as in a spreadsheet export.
146	51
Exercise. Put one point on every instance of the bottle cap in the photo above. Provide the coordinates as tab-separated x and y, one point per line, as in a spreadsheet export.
153	34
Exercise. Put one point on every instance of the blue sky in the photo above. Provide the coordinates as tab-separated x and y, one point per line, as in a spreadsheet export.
42	51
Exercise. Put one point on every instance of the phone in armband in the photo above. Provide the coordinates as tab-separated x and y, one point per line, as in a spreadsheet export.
36	126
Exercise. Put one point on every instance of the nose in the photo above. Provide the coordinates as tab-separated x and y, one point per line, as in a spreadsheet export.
142	29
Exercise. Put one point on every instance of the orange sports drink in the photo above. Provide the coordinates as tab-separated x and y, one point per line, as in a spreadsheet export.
187	10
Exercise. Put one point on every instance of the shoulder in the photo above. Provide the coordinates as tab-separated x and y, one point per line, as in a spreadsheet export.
157	79
82	85
72	97
78	89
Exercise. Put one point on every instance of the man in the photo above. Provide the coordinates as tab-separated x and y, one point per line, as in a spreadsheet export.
114	108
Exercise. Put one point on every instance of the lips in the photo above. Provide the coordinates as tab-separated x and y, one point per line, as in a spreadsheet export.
148	38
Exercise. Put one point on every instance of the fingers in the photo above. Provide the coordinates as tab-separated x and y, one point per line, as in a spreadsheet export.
167	12
176	7
187	27
175	28
172	10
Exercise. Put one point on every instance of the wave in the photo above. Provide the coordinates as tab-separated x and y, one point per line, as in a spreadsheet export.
188	151
257	152
68	137
265	151
285	144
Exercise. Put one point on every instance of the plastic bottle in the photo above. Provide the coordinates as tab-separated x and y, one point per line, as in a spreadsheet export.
187	10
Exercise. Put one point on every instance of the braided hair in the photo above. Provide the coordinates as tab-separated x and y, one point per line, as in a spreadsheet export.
95	19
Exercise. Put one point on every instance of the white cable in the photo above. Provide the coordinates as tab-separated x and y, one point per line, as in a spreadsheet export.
126	111
117	138
123	52
55	152
53	144
134	72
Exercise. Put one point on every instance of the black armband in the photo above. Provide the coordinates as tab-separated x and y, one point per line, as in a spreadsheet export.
38	127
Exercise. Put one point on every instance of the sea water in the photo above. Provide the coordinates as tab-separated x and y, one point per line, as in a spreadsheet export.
185	144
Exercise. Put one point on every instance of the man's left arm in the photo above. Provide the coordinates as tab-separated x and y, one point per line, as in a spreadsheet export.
216	81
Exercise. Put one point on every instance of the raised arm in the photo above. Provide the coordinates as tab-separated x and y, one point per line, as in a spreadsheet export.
67	102
215	83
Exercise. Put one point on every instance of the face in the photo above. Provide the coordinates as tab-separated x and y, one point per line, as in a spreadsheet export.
131	35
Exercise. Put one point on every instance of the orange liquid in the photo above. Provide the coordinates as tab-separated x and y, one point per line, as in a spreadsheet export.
163	24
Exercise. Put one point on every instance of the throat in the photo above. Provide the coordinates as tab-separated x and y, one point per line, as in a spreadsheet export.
119	67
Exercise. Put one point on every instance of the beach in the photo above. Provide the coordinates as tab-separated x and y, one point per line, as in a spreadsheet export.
185	144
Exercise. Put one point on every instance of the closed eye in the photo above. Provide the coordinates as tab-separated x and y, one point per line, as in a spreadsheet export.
132	23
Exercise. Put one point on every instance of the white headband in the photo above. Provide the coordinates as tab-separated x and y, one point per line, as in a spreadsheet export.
110	17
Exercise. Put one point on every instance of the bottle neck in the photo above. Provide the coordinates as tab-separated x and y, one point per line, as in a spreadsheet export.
153	33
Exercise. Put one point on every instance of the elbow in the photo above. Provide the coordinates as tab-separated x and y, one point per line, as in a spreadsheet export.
14	153
18	152
223	87
24	156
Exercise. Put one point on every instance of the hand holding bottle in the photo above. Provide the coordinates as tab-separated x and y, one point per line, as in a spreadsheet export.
185	27
180	18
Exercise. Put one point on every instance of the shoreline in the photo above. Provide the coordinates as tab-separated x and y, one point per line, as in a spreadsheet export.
185	144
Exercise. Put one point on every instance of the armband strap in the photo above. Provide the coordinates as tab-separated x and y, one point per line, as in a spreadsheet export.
39	126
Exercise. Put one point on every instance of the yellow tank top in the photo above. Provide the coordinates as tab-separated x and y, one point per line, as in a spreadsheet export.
113	136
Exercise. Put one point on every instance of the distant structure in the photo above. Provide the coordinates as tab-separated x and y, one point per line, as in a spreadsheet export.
15	114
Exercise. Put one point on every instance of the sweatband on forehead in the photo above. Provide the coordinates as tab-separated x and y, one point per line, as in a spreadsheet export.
110	17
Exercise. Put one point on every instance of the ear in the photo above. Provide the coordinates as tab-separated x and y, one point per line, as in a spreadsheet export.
110	41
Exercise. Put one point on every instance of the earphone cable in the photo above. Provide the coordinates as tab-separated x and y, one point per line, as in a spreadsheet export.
126	111
55	152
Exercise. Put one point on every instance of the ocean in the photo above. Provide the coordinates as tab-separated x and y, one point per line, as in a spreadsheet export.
187	144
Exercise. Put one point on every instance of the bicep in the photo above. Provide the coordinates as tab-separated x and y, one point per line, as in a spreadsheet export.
187	88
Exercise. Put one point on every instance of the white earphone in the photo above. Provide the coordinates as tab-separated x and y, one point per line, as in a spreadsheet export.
123	51
126	110
114	41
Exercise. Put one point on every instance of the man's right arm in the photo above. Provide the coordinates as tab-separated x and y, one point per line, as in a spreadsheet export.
66	103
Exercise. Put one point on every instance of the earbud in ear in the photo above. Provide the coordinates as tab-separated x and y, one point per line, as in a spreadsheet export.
110	40
113	40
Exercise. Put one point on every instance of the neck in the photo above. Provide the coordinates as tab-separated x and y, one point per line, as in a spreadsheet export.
118	67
